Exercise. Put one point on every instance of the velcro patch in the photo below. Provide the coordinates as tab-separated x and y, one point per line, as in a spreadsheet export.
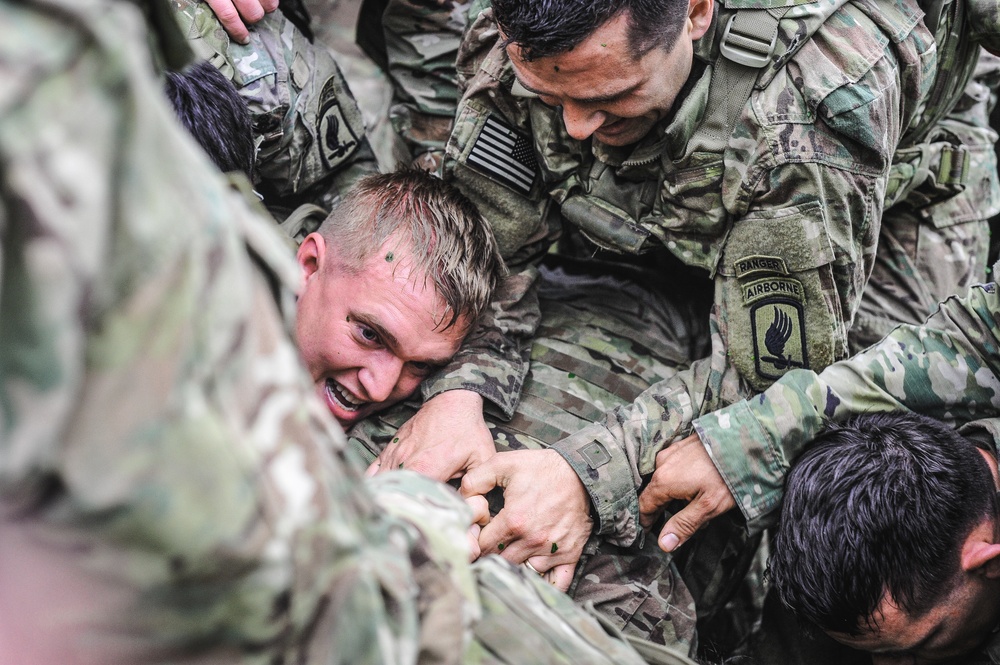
770	287
596	455
779	337
751	265
501	153
335	135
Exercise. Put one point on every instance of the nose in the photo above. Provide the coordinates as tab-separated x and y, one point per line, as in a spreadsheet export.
581	122
381	377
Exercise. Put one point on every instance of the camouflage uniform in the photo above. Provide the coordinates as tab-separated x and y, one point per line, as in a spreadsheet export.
949	369
308	129
785	220
170	489
602	340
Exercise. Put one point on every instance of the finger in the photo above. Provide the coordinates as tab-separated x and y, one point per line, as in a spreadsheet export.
653	499
373	468
485	477
684	523
472	535
561	576
480	509
230	19
251	10
269	5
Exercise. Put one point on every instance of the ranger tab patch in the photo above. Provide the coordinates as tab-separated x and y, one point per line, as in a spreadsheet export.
501	153
752	265
779	338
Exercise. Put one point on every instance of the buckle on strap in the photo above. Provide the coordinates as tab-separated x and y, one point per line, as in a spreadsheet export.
750	44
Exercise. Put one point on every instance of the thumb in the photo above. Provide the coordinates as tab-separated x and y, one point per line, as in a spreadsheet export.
684	524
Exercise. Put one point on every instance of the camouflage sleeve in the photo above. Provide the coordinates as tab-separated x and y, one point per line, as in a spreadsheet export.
493	360
422	39
308	128
949	368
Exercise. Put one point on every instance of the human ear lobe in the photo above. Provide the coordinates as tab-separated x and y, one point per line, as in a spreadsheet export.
980	554
311	255
700	16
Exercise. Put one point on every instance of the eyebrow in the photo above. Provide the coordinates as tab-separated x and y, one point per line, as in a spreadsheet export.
596	99
390	340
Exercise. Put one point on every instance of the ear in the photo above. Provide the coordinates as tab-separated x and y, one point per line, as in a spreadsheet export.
980	555
311	255
700	16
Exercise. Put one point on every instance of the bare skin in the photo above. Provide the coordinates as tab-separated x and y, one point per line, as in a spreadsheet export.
236	15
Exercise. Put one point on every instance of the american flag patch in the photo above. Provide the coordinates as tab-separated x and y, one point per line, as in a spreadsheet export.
502	153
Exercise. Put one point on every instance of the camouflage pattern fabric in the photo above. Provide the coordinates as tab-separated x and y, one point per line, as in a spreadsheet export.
603	338
948	368
170	489
787	229
309	131
421	41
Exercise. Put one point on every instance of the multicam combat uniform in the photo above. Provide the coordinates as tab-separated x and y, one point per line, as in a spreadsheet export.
308	129
784	218
949	369
603	339
170	488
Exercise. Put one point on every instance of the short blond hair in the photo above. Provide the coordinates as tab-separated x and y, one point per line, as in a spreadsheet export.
451	243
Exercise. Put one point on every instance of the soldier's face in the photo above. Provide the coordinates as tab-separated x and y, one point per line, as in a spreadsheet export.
368	336
602	90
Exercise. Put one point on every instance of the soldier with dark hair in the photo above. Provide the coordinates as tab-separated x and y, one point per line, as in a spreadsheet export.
889	538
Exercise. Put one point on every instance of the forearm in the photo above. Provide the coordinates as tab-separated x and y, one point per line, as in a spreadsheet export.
946	369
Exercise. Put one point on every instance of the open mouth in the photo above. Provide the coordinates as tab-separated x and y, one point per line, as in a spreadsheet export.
339	396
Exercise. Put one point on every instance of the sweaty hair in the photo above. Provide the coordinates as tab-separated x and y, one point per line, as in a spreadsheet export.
877	507
543	28
440	231
211	109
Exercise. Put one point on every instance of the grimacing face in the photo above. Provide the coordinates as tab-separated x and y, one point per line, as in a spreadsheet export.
606	93
369	336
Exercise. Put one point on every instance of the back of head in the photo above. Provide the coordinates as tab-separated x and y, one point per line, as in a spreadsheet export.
543	28
878	506
211	109
450	242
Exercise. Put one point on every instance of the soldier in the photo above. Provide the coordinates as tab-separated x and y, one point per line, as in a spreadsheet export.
889	539
170	488
758	168
393	280
309	133
604	337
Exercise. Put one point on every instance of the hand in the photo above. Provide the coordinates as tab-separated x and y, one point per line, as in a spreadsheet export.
236	15
546	515
447	436
684	471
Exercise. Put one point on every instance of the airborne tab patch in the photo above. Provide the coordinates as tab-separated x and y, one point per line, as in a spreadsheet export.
501	153
751	265
770	287
779	338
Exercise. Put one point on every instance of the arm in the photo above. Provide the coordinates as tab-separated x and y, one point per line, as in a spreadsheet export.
946	369
788	280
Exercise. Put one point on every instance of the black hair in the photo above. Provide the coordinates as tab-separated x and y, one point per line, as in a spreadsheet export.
208	105
877	507
543	28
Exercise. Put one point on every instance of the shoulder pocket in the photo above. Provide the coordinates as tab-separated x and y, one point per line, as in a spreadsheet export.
781	304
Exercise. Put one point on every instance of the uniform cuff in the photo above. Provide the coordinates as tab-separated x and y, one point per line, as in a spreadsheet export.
606	474
748	459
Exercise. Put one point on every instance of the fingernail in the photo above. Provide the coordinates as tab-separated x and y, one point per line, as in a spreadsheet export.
669	542
244	41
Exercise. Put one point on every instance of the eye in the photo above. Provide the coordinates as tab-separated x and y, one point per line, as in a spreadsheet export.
368	334
421	369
